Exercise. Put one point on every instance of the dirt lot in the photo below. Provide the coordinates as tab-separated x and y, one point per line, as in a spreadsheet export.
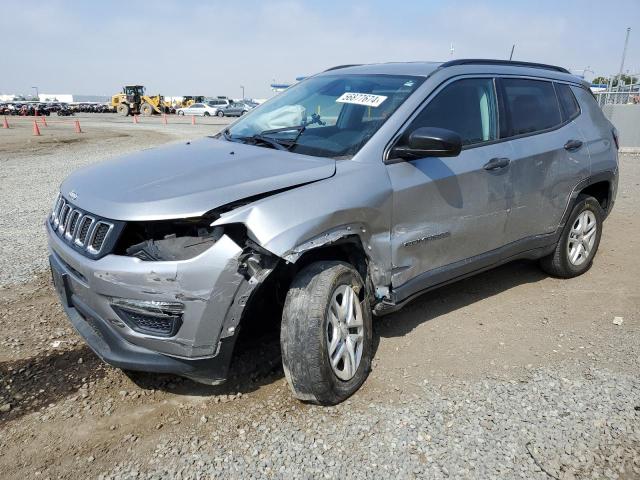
511	374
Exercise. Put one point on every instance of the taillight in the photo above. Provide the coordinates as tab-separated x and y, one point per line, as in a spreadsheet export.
615	138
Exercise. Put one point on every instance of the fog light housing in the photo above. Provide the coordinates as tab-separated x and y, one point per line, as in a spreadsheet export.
160	319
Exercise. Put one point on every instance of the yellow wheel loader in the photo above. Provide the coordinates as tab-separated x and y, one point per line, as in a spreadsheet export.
134	101
189	100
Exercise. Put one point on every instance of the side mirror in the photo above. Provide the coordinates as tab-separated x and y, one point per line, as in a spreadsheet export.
428	142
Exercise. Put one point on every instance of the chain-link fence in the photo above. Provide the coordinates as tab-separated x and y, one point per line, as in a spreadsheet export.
628	94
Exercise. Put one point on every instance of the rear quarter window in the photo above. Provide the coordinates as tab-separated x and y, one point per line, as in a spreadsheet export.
568	103
531	105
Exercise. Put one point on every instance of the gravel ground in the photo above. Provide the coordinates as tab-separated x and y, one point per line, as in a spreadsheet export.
542	425
510	374
32	169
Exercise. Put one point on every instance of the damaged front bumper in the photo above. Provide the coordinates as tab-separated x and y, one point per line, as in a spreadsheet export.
208	289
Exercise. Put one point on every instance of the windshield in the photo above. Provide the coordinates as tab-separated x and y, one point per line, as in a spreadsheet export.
326	116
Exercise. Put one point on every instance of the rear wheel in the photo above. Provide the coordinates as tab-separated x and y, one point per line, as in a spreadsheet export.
578	242
146	109
220	113
326	333
180	112
207	114
123	109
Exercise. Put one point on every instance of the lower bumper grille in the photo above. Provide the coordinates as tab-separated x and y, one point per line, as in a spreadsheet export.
161	319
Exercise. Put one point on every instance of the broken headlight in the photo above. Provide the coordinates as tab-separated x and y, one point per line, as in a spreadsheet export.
168	240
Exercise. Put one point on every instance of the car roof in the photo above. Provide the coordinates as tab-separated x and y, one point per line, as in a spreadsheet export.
461	66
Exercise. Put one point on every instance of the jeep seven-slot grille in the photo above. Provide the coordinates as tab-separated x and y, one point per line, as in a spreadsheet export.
83	230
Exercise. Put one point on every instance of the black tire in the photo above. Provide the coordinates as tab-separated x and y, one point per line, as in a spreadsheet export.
146	109
180	112
207	114
220	113
303	333
558	263
123	109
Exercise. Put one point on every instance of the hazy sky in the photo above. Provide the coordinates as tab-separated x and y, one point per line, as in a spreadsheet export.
212	47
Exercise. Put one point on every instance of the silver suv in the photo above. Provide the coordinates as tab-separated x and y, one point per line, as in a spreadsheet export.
347	195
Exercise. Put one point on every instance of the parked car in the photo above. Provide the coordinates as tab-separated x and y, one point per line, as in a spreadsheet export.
64	111
199	109
235	109
346	196
219	101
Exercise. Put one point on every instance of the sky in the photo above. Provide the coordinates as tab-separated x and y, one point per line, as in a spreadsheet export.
213	47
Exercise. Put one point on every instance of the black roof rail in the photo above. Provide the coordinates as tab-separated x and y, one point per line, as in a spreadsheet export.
484	61
343	66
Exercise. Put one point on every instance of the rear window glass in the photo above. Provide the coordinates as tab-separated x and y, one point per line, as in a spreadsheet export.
568	104
531	105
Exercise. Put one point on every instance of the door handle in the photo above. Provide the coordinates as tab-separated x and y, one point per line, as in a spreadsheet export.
496	163
573	145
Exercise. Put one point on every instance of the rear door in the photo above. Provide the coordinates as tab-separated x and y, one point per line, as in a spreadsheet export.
548	155
447	210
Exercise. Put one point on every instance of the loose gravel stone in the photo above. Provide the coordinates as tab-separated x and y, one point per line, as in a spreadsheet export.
568	428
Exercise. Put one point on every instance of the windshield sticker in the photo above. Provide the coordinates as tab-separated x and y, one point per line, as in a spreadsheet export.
366	99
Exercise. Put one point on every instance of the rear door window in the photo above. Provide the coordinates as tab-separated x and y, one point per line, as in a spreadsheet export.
568	103
531	106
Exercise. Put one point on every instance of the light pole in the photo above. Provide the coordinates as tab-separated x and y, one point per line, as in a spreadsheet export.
242	87
624	54
37	94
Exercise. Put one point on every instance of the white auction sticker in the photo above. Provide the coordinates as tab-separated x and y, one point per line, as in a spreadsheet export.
366	99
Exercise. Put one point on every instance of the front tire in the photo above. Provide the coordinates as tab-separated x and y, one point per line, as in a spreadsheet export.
578	242
146	109
123	109
220	113
326	333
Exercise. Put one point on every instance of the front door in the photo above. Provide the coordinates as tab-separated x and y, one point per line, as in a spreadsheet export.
448	212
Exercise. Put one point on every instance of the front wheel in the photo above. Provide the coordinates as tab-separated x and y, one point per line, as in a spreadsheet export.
123	109
578	242
220	113
146	109
326	333
207	114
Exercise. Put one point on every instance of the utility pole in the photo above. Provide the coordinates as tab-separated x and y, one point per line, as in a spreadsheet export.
513	47
451	50
624	54
38	95
242	87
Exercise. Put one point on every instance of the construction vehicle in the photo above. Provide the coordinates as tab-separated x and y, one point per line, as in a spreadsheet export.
189	100
134	101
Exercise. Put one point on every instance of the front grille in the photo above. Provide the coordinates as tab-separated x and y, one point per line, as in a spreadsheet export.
100	232
82	230
70	231
85	225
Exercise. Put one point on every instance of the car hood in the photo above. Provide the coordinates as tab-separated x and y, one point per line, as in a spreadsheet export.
187	180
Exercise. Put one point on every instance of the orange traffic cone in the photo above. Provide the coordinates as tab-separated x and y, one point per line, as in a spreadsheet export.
44	121
5	123
36	130
135	119
193	119
77	126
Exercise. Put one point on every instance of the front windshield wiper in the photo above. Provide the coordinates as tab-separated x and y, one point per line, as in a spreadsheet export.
263	137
